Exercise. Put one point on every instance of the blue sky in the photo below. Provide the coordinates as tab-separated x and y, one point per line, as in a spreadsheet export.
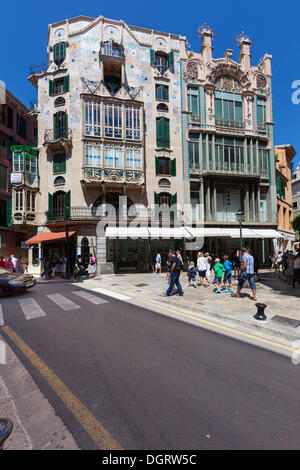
273	30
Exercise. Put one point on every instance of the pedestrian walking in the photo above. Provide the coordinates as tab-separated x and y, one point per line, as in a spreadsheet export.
2	262
285	257
192	273
209	262
273	258
278	263
175	269
19	266
202	267
236	264
9	265
78	267
14	262
289	272
218	270
227	274
296	268
93	264
246	274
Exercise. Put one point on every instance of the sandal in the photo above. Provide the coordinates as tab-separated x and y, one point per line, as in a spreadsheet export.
253	298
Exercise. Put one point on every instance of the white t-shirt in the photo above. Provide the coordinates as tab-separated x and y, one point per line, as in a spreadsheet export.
202	264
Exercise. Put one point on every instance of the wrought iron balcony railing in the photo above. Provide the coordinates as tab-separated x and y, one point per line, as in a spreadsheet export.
52	135
113	175
229	123
241	169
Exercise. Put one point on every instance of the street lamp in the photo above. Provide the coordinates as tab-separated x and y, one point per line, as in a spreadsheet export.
240	218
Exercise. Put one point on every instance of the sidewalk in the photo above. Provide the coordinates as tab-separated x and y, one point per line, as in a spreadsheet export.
282	301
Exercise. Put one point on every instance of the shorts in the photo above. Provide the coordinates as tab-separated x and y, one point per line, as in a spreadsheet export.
202	273
192	279
227	278
217	280
157	266
246	277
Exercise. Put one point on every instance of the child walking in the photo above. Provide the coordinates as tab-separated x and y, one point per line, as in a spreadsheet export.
192	273
218	270
227	274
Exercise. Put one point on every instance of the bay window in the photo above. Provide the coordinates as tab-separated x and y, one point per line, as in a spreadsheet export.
92	114
133	125
93	154
133	158
113	156
228	109
113	120
19	200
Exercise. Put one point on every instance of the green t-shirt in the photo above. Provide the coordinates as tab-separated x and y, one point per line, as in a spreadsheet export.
219	269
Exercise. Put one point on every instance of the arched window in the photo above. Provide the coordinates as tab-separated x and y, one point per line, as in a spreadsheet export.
60	180
162	107
228	102
164	182
60	101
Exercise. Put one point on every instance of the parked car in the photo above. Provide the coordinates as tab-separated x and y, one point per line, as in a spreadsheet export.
13	282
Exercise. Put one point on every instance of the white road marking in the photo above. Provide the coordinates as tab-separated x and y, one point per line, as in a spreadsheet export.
1	316
90	297
63	302
111	293
31	308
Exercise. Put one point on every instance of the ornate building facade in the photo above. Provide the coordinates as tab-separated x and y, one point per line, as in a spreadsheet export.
228	157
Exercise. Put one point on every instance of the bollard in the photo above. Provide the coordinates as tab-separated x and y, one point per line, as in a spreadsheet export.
6	427
260	314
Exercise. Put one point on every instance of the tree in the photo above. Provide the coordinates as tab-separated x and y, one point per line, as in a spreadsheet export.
296	225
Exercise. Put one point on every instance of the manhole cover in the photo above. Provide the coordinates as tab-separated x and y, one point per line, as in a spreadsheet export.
286	321
141	285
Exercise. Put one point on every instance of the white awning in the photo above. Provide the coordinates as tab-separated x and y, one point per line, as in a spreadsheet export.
246	233
265	233
169	232
208	232
127	232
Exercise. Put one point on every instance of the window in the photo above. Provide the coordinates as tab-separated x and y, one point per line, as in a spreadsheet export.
59	86
21	126
133	124
93	154
113	120
280	186
164	198
295	205
161	62
18	199
261	111
3	178
59	163
59	53
193	101
92	118
6	116
30	201
162	107
18	163
60	125
60	101
194	151
133	158
228	109
164	183
163	166
162	92
162	133
113	156
59	181
30	164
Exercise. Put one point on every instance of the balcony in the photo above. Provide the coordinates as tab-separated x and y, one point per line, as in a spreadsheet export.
110	50
231	169
96	175
58	137
229	124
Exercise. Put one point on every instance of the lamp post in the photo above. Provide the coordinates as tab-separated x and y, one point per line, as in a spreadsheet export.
240	218
68	274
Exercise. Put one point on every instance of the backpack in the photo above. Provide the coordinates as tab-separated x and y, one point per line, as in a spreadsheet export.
179	265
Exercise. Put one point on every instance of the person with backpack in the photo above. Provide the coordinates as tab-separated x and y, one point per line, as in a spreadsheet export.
93	264
175	270
191	274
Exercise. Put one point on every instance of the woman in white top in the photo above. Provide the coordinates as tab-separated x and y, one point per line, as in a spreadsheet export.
208	261
202	266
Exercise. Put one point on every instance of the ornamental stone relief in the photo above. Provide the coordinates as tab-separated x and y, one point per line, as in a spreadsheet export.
228	83
91	85
191	70
261	81
160	43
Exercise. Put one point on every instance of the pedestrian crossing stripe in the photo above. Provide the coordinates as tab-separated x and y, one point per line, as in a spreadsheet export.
90	297
31	308
63	302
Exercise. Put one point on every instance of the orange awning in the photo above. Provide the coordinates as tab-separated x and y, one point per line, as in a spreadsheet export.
48	237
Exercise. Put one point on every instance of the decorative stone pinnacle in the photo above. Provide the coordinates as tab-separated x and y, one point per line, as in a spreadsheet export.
242	37
204	29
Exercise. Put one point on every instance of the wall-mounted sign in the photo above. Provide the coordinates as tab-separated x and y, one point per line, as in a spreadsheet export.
16	178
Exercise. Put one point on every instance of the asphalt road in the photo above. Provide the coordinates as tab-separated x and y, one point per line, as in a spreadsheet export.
154	382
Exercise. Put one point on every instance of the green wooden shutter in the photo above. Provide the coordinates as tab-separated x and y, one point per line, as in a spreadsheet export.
66	83
165	93
121	50
159	131
50	206
56	126
51	87
157	168
59	51
173	167
173	202
156	207
8	213
65	125
166	133
171	59
152	56
68	204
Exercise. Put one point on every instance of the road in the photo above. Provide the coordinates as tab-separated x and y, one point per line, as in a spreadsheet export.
118	374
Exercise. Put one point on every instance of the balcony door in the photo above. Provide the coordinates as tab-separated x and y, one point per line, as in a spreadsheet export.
60	125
